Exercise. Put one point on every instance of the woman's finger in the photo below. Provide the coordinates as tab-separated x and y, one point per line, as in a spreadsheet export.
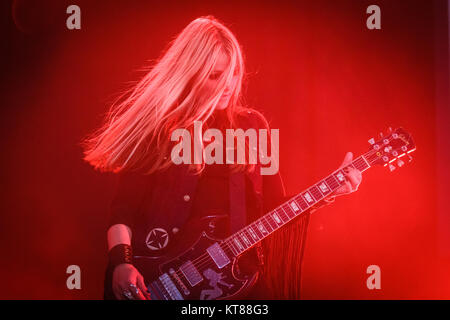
347	159
343	189
354	180
137	294
348	187
141	286
126	291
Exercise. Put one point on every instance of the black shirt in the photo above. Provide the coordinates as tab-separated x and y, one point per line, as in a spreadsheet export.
211	198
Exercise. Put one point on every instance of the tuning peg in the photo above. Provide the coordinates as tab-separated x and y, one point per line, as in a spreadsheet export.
381	134
391	167
400	163
409	158
371	140
390	130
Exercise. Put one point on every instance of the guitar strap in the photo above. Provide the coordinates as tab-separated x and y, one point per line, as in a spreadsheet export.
238	211
238	208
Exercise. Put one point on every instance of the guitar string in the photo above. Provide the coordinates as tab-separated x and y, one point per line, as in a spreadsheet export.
205	259
199	262
366	155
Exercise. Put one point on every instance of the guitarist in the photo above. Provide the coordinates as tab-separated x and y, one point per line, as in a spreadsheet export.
199	77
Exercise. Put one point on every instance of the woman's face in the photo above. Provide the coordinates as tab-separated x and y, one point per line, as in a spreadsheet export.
213	81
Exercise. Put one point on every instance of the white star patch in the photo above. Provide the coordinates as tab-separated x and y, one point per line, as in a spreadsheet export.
157	239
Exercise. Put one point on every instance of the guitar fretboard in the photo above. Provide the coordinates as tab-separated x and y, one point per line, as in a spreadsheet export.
250	235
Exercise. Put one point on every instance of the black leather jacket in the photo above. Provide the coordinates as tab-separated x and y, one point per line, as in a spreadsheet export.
157	207
162	202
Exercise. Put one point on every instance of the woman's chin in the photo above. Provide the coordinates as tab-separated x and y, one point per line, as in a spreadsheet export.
223	104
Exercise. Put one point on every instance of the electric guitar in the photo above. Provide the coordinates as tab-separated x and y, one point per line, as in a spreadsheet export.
206	268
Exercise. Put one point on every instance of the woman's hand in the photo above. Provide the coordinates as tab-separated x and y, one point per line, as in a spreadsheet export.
128	283
353	177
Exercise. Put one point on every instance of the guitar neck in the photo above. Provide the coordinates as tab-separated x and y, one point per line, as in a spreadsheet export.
258	230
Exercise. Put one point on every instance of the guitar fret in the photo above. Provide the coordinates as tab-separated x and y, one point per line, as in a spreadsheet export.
282	215
277	218
232	247
340	176
227	247
238	240
362	163
288	213
368	165
273	220
248	237
301	202
318	189
315	193
253	233
256	230
332	182
261	228
267	224
323	187
287	207
358	164
238	244
294	207
286	210
245	240
308	198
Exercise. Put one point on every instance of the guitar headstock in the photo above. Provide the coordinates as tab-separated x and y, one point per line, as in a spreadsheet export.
390	148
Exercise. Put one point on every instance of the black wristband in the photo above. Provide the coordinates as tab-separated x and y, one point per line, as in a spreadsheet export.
121	253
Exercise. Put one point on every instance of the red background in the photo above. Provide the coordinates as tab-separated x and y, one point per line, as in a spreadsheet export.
316	72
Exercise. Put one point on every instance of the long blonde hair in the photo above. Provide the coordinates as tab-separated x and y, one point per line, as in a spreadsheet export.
136	132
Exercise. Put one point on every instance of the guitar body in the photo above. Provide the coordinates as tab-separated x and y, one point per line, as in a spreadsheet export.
197	269
213	282
204	267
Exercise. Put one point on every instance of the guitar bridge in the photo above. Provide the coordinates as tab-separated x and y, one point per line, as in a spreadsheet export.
191	273
170	287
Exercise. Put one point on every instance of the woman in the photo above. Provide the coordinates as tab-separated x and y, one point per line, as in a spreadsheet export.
198	78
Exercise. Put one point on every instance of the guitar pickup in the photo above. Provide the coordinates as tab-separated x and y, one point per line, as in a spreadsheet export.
218	255
191	273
